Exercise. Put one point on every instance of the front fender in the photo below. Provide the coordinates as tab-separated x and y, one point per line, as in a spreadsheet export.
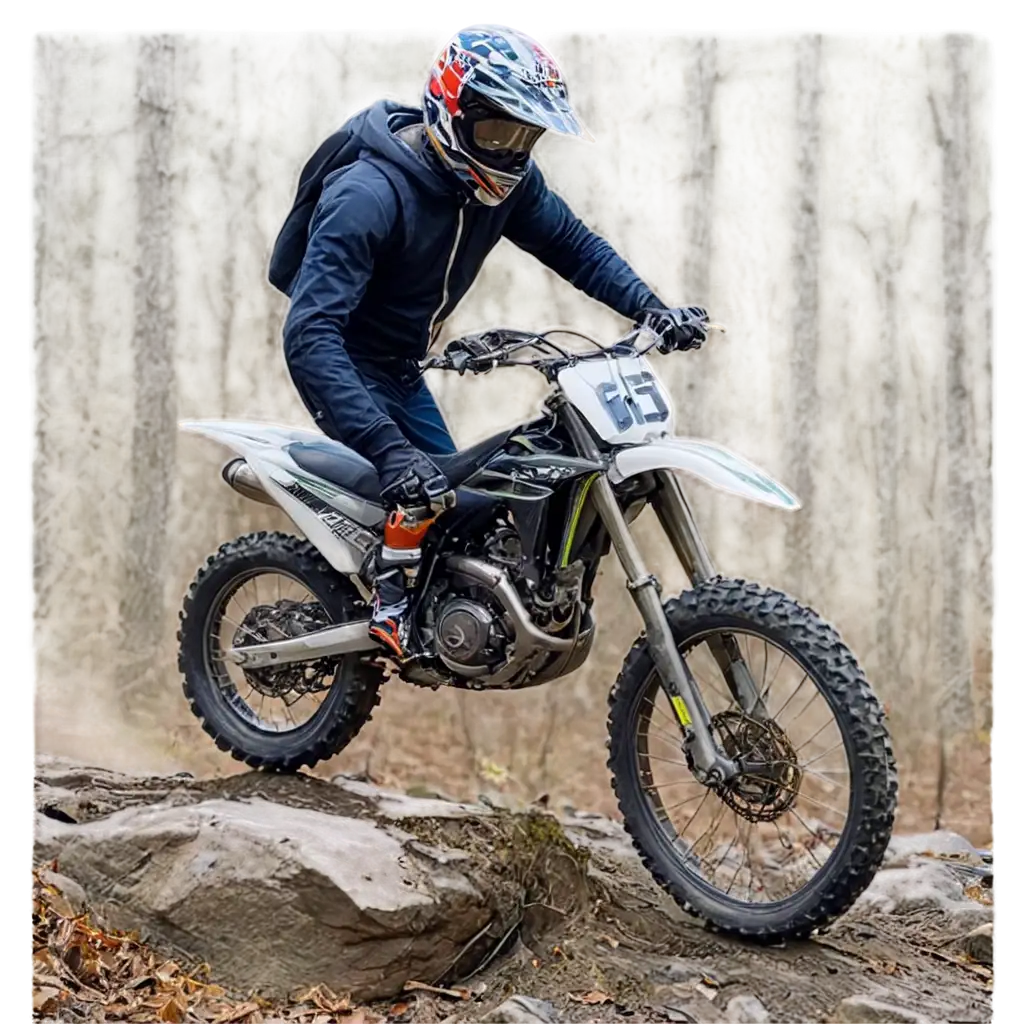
709	462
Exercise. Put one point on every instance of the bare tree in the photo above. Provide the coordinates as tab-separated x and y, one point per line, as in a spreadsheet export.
803	415
153	430
229	182
887	244
698	217
570	166
89	143
952	124
52	77
571	174
694	376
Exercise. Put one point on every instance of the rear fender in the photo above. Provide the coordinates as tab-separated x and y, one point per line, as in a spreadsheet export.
317	507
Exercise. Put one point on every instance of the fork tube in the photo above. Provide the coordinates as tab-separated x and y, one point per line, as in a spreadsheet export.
673	512
673	670
676	518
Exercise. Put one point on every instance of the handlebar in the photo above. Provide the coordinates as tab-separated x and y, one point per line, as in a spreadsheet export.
483	352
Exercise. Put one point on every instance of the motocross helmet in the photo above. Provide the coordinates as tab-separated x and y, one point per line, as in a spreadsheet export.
491	94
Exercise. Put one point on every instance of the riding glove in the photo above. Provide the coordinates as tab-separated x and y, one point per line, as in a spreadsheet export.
676	329
409	478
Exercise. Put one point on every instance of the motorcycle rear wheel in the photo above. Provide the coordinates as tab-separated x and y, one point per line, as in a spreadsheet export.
215	697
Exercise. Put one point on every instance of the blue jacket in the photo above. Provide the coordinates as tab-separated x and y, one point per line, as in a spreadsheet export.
394	244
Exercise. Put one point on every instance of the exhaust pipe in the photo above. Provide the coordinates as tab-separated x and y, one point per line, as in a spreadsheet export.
238	475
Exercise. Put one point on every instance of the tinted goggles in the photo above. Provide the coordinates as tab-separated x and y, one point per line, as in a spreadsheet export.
502	137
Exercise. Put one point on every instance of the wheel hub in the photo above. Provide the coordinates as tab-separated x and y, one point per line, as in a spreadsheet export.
769	778
281	621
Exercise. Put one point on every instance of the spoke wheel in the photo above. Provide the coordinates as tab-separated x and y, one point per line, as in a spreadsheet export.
258	588
795	836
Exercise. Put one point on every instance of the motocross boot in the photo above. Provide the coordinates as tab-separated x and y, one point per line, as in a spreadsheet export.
397	568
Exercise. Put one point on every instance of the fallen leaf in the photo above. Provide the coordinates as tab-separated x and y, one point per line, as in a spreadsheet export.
614	943
591	998
535	962
173	1010
399	1009
235	1013
324	999
45	998
168	971
422	986
59	903
708	980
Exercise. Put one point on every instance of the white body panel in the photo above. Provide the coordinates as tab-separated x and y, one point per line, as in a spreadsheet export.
621	398
709	462
262	447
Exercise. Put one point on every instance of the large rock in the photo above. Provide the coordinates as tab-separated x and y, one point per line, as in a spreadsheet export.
746	1009
940	843
522	1010
281	882
866	1010
978	944
276	897
930	885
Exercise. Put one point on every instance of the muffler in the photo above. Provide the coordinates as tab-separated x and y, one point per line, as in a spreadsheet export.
238	475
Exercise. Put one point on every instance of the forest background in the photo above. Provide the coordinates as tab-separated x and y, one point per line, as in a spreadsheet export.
827	197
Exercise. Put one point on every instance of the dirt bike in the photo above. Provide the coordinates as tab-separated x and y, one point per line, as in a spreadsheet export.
749	756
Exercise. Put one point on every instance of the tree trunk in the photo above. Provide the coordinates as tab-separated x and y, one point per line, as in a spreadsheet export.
570	166
887	253
154	419
695	371
698	222
51	87
804	407
571	173
91	333
986	481
229	182
954	137
888	576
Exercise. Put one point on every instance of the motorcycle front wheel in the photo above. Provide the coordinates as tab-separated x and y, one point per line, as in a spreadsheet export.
791	841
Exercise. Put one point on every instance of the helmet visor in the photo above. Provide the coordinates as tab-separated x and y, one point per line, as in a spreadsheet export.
501	137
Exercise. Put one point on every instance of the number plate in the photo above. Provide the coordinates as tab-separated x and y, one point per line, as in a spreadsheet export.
621	398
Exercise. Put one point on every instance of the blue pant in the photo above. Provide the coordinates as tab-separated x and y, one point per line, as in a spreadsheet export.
411	405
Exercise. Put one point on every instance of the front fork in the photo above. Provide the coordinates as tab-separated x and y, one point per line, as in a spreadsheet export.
676	678
673	512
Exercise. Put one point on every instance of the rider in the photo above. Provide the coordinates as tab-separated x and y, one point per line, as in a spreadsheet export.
396	239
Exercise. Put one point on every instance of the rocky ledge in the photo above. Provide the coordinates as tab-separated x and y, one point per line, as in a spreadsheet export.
465	912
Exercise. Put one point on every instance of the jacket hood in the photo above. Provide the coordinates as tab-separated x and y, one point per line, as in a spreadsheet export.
376	128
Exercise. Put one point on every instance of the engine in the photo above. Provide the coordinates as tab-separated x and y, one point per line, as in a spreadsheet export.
469	634
473	632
